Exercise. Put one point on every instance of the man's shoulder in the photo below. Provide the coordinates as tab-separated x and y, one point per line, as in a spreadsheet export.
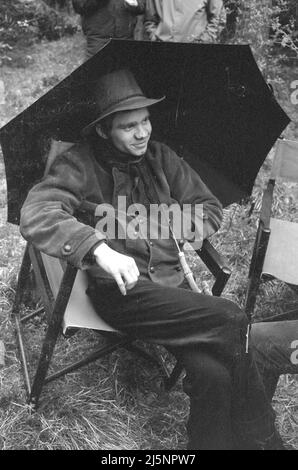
75	156
162	152
73	150
160	148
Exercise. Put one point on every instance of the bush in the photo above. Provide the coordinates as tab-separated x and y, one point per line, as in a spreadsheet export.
269	27
52	24
17	22
60	4
24	21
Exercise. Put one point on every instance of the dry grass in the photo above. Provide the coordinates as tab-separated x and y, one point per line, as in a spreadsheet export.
115	404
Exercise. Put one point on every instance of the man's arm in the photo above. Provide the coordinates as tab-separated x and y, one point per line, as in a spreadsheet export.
47	216
151	19
48	222
188	188
136	7
121	267
216	14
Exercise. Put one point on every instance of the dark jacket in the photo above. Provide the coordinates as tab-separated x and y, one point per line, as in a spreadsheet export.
102	19
83	173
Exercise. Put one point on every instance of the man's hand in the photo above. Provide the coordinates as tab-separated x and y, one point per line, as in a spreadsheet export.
131	3
152	36
123	268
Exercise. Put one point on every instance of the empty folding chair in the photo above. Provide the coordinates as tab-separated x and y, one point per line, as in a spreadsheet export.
275	252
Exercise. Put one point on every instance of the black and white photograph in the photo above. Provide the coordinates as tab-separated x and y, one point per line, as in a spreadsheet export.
148	228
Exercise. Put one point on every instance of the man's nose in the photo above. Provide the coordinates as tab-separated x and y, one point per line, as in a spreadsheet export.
141	132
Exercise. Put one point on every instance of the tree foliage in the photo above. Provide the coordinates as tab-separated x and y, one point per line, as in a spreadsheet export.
269	26
24	21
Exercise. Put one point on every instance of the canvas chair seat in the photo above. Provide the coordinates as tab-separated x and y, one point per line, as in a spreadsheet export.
281	259
79	312
78	302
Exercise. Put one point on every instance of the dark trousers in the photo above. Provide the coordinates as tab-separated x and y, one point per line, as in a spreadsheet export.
275	346
228	406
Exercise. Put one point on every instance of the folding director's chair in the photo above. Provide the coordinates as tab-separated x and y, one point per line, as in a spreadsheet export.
62	288
275	252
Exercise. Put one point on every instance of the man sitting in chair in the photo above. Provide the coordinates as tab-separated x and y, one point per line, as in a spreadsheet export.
136	282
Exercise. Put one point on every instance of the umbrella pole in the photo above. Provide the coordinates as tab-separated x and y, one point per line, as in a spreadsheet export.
247	335
187	272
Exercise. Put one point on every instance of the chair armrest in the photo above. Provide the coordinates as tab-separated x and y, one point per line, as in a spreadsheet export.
214	261
217	265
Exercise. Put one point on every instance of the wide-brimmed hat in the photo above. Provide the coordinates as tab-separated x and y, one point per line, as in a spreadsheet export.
118	91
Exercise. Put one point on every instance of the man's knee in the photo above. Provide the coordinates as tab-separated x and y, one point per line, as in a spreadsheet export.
230	312
205	375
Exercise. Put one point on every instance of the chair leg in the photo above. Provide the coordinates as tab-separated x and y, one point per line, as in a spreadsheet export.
251	296
155	358
21	286
52	333
22	280
97	354
175	374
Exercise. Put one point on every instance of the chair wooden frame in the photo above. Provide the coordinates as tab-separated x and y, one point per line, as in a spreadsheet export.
256	275
55	309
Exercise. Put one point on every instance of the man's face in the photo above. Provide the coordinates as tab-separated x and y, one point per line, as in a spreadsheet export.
131	131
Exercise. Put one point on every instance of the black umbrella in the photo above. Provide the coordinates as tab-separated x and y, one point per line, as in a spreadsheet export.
219	114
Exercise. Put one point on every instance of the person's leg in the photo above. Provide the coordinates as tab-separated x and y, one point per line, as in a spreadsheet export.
274	345
208	384
215	327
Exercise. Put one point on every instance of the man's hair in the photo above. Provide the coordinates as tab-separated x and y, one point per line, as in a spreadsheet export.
107	123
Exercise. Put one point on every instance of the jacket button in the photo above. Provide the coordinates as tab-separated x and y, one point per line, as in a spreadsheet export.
151	243
152	269
67	248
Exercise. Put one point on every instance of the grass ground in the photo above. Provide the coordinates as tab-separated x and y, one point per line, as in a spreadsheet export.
115	404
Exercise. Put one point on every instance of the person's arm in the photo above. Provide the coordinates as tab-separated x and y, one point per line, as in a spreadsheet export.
216	21
136	7
188	188
151	19
47	220
121	267
47	216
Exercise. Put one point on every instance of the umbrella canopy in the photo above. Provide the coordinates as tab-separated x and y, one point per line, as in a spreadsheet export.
219	114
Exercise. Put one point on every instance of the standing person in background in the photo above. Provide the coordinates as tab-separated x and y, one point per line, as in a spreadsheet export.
103	19
184	21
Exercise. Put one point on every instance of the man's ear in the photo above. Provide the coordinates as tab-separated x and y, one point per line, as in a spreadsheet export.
100	131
